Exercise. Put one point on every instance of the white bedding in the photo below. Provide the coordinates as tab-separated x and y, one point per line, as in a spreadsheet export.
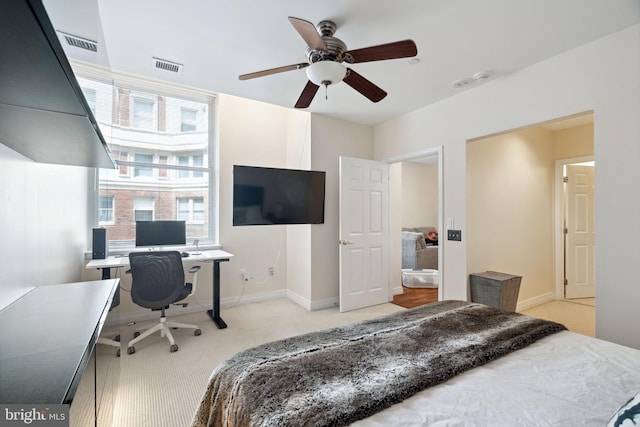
563	380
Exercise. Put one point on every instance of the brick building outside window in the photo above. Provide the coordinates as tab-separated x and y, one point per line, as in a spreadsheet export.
160	143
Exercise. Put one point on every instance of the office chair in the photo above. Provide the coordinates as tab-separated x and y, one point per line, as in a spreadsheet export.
157	281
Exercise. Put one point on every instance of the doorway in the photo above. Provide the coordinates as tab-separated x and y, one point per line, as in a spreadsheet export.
514	203
416	183
575	234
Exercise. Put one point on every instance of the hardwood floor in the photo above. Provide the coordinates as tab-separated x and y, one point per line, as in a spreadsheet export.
413	297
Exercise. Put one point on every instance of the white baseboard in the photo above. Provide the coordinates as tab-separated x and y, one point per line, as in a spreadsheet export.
312	305
146	315
532	302
325	303
397	290
251	298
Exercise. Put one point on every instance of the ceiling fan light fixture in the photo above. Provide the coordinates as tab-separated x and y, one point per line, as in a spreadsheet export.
324	73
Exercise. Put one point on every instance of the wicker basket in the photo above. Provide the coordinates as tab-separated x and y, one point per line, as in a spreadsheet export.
498	290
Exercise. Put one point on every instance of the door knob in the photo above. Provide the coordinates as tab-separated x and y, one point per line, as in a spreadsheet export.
345	242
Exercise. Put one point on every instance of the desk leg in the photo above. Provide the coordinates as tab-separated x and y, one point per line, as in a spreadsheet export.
215	313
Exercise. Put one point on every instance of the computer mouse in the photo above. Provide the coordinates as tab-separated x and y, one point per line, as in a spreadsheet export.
184	254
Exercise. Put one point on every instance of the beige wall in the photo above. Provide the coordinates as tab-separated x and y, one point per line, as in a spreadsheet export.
573	142
510	204
419	195
557	87
509	208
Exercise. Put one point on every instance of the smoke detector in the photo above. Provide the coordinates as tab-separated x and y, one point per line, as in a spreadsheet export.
480	76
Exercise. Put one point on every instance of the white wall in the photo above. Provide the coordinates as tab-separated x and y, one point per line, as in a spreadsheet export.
330	139
43	230
305	257
255	134
603	77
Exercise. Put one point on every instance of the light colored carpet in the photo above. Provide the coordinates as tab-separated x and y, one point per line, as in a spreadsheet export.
155	387
578	318
158	388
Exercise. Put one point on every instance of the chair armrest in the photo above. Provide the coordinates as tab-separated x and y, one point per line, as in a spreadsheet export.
194	269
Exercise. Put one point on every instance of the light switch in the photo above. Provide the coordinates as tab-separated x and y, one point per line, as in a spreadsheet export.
449	223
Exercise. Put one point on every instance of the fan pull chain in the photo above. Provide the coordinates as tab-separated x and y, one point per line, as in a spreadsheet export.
326	84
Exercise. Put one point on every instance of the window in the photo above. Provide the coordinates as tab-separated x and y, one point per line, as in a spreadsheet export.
143	112
105	210
160	137
143	209
191	210
188	121
190	161
143	171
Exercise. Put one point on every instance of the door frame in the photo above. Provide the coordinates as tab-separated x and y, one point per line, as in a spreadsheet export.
558	223
415	155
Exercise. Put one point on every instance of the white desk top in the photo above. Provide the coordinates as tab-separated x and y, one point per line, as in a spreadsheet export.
123	261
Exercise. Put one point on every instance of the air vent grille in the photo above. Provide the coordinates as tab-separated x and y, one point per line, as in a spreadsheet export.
80	42
163	64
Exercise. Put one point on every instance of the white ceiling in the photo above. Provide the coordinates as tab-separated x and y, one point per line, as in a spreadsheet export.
216	41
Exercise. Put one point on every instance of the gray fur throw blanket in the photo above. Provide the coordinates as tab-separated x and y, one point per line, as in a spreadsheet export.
337	376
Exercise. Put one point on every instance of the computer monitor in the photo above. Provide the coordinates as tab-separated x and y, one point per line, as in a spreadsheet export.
160	233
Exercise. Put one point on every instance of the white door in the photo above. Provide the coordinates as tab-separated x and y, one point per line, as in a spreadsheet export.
364	233
579	238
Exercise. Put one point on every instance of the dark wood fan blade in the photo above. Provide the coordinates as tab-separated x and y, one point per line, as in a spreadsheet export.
307	95
273	71
364	86
395	50
309	33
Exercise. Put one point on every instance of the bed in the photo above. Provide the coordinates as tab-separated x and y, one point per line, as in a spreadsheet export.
450	363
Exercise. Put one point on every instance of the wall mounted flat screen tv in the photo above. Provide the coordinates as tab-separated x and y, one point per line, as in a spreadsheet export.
263	196
160	233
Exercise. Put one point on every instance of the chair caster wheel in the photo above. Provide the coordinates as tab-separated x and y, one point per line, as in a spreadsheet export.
136	334
118	353
131	350
173	348
197	332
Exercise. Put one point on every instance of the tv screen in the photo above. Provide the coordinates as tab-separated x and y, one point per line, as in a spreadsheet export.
160	233
263	196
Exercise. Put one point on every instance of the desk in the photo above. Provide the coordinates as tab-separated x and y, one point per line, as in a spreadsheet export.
47	338
217	256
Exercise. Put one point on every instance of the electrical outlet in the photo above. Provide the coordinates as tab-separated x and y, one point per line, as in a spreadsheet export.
272	271
244	275
455	235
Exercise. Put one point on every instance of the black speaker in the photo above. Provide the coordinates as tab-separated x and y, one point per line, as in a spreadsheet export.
100	244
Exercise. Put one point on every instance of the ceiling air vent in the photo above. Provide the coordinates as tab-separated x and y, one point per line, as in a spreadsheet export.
80	42
163	64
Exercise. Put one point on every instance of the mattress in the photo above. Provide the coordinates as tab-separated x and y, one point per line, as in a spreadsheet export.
564	379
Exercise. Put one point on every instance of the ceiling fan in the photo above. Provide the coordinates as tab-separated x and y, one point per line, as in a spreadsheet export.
326	55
